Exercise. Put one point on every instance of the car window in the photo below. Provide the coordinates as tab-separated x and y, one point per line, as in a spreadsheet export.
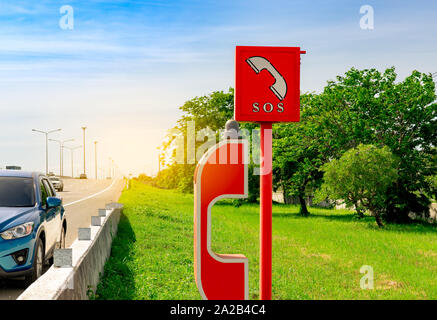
17	192
44	193
52	189
49	189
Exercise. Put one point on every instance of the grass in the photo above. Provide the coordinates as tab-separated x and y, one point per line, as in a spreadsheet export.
317	257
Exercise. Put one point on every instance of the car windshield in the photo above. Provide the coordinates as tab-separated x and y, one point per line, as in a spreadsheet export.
54	179
16	192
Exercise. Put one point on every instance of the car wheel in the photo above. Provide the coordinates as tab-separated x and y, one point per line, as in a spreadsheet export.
38	263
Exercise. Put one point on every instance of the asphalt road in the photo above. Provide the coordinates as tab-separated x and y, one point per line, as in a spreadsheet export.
81	199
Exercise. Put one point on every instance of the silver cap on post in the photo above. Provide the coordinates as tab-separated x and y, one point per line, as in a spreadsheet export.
232	130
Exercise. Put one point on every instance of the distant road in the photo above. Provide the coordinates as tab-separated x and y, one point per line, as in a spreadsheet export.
81	199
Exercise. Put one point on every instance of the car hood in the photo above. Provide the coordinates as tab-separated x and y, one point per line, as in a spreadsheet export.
10	216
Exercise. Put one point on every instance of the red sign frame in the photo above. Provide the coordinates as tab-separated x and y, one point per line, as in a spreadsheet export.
267	84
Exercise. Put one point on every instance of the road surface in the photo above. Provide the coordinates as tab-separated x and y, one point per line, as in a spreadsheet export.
81	199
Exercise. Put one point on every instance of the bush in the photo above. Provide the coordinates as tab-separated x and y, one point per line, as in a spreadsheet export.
361	177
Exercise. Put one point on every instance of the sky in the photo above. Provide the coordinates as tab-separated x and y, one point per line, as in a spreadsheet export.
126	67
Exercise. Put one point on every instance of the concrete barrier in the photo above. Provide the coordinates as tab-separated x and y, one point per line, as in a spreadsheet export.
78	280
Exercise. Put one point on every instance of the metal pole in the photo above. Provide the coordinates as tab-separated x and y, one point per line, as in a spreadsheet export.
266	212
47	153
72	158
62	154
47	145
62	160
84	168
72	171
95	156
113	169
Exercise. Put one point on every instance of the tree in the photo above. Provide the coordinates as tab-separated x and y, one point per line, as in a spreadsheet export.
297	156
369	107
210	111
361	177
143	178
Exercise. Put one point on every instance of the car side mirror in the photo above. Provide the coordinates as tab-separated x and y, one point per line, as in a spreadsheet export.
53	202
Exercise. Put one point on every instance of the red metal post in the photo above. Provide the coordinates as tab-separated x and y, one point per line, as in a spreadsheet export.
265	287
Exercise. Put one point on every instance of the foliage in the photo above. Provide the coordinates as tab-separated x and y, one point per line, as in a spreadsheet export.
361	107
297	156
208	112
143	178
176	176
365	107
371	108
361	178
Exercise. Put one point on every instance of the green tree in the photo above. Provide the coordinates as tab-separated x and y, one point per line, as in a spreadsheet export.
369	107
361	178
298	154
210	111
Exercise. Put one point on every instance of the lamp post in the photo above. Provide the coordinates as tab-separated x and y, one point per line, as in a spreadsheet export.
47	145
61	154
72	157
95	157
84	168
113	169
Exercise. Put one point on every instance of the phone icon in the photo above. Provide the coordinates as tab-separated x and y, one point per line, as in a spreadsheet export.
258	64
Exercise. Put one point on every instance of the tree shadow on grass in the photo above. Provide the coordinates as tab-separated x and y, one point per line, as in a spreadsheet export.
118	281
414	227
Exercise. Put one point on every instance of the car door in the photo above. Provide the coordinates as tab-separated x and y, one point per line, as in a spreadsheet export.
51	216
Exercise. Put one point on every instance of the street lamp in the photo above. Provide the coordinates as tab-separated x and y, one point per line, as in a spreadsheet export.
47	145
113	169
84	169
61	154
95	156
72	156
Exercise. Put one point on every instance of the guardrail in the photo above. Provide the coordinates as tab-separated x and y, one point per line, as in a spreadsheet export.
76	271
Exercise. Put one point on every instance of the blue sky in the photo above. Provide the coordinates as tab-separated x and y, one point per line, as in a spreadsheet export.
127	66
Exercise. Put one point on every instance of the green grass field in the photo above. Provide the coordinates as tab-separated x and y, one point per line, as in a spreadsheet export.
318	257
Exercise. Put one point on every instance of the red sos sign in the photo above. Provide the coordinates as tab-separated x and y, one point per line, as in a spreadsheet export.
267	82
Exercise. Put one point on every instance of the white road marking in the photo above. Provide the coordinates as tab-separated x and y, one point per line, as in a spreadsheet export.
91	196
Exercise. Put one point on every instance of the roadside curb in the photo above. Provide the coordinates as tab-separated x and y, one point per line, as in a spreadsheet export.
79	280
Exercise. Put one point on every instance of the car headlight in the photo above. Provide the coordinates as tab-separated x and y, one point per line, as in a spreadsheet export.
18	232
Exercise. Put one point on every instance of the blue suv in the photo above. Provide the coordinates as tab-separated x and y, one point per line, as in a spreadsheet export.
32	224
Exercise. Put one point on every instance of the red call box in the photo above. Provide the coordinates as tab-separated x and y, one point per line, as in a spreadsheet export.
267	84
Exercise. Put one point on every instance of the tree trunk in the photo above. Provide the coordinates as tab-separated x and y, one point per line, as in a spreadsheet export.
284	193
378	219
360	213
303	206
